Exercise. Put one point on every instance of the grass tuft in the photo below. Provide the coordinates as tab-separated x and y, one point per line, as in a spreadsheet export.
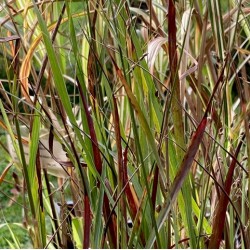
125	124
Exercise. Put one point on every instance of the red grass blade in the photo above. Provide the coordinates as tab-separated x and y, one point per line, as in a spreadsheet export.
188	159
180	176
221	209
98	165
87	222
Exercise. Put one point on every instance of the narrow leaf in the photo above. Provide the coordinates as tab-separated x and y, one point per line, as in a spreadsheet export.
180	177
221	208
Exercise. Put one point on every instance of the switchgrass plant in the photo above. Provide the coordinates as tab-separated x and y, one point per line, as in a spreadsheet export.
147	104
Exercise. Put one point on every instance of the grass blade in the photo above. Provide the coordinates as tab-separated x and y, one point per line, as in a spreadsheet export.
220	213
180	177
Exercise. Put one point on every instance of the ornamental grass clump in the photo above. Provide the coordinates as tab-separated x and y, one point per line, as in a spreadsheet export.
127	122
